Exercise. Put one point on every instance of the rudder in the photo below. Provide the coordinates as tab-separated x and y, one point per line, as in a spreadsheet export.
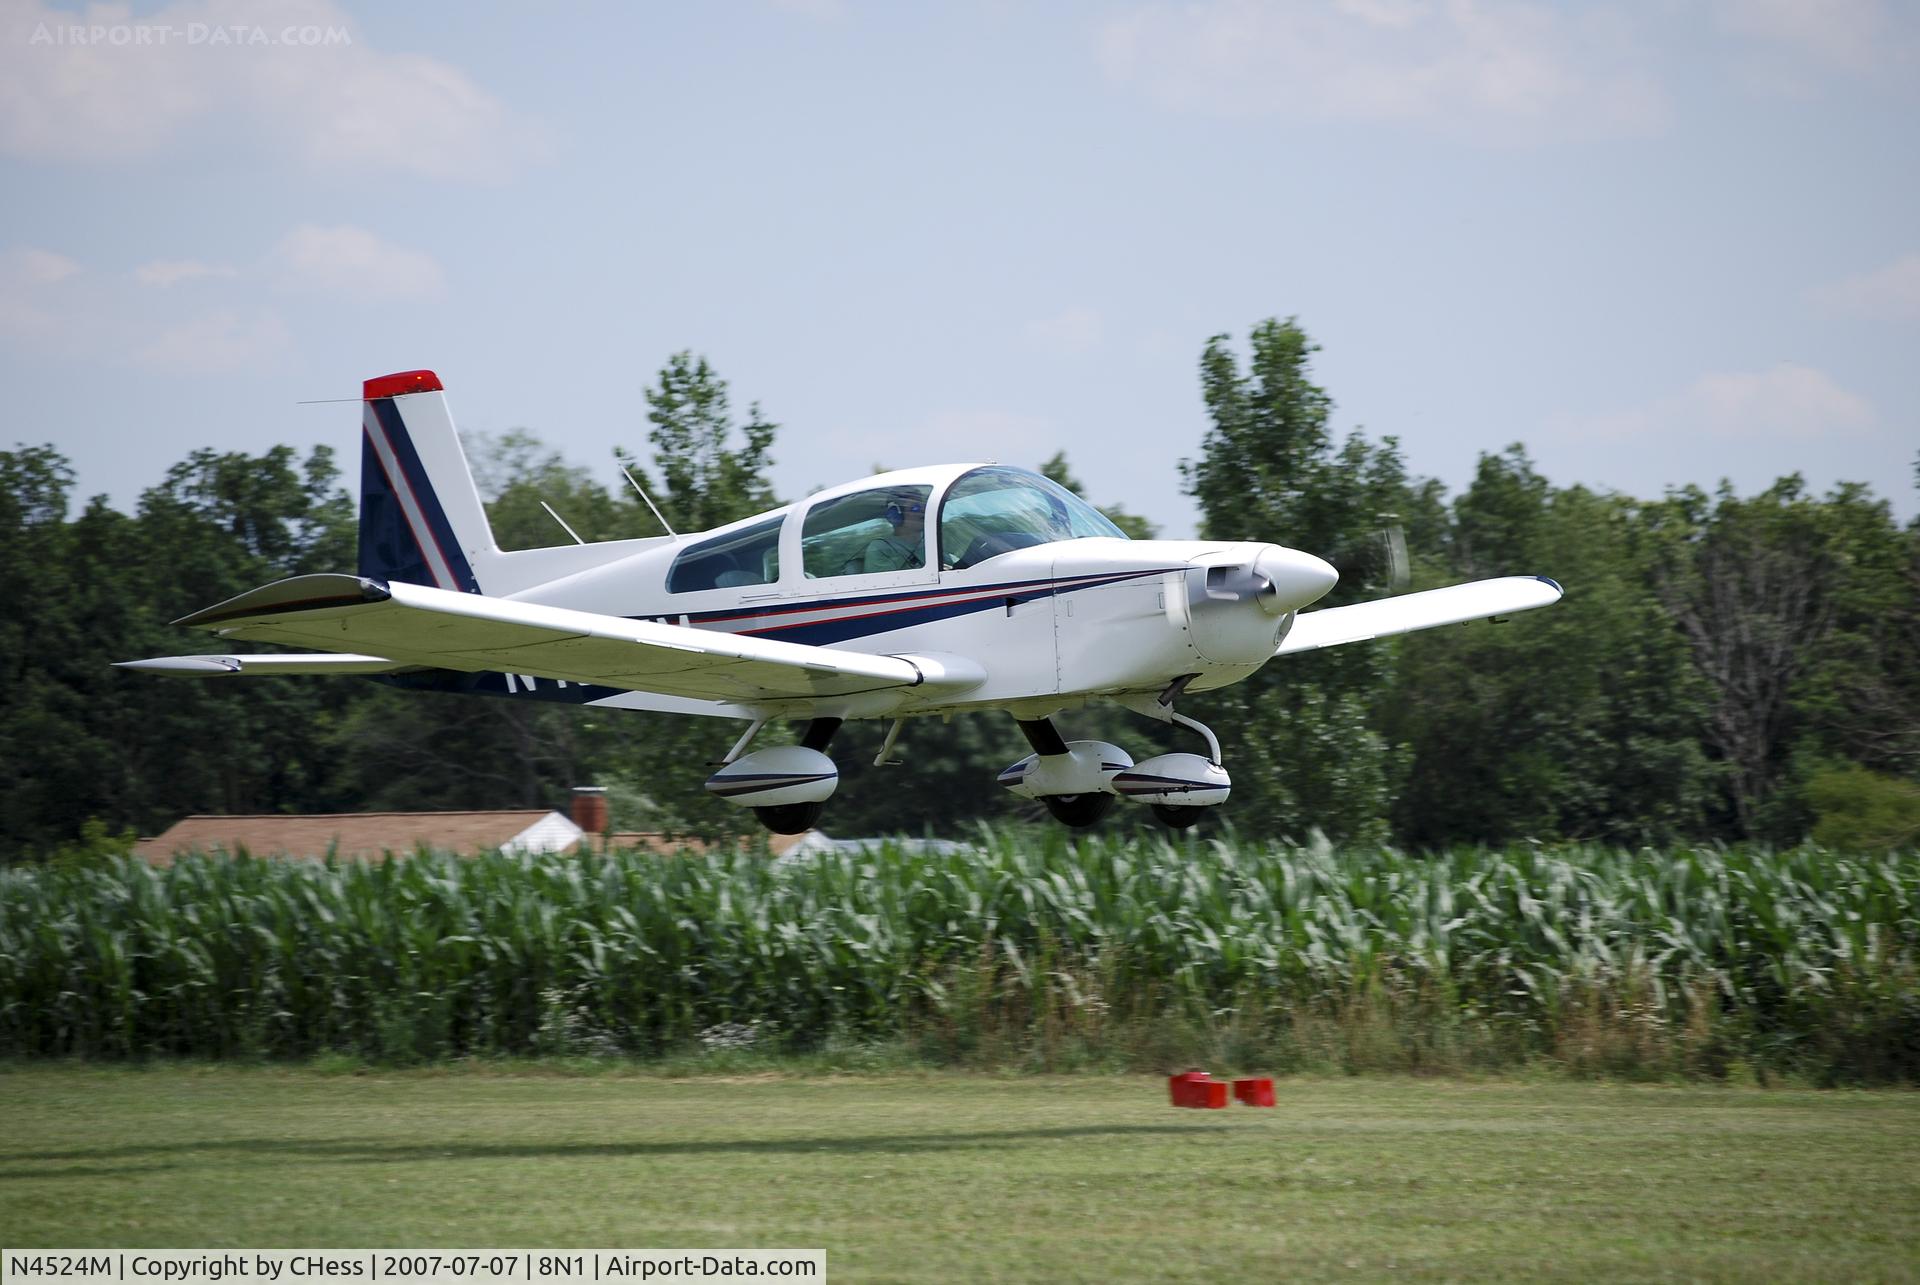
421	520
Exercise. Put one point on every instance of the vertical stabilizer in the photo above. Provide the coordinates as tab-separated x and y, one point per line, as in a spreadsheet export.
421	520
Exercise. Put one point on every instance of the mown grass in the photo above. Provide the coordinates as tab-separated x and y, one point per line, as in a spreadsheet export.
948	1176
1032	952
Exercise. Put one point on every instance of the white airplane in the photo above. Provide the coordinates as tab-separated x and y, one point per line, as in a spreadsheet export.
921	592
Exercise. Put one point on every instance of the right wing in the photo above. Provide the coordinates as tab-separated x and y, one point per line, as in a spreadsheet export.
405	625
1454	605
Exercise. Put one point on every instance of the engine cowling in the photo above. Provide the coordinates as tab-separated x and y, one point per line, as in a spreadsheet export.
1088	767
776	776
1184	780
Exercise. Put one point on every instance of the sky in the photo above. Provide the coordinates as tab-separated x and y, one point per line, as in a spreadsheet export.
1658	243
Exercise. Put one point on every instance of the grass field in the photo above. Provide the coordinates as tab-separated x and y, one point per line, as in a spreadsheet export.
949	1177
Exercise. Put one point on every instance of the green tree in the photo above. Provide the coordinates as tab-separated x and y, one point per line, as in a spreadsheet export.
706	481
1860	810
1783	599
82	740
1298	736
218	525
516	472
1581	721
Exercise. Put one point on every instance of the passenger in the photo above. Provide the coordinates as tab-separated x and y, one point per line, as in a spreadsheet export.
906	546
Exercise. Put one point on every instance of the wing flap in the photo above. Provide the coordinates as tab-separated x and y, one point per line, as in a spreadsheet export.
416	625
1455	605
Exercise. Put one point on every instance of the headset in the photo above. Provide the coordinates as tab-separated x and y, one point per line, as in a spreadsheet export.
897	512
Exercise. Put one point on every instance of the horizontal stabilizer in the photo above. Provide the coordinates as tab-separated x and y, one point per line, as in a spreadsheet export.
1383	617
416	625
263	665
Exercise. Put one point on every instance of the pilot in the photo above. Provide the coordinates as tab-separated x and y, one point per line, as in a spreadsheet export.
906	546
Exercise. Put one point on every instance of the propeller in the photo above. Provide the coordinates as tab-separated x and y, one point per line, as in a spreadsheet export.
1379	557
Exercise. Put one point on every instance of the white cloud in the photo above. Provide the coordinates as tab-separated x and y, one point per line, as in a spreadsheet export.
1789	402
1491	70
33	282
1791	44
351	261
50	306
1891	293
293	78
218	343
38	267
1073	332
169	272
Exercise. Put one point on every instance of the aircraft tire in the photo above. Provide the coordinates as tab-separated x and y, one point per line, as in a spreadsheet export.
1176	816
790	818
1079	810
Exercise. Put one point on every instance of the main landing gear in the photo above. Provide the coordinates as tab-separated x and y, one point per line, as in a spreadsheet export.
1080	781
787	786
1177	816
1078	810
798	818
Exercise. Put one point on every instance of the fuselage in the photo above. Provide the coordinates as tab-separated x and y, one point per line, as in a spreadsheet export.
1005	572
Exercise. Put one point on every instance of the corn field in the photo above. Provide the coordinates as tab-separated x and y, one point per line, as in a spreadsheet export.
1034	950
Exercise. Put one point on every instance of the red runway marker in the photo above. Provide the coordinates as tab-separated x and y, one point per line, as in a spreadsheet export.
1255	1093
1197	1089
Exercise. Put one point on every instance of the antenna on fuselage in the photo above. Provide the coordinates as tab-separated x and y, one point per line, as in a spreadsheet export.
650	504
562	521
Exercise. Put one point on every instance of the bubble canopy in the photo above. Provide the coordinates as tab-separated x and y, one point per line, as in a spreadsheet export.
997	509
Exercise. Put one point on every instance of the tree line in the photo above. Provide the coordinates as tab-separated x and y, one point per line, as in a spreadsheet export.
1722	666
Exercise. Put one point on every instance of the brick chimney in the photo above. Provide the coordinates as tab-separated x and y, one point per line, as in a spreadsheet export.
590	808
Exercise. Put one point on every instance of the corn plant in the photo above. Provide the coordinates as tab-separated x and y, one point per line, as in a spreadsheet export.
1802	959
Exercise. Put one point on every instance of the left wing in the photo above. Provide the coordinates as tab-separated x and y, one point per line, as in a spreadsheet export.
1454	605
392	625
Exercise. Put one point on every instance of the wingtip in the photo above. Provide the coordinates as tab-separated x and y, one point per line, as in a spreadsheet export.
182	665
1552	584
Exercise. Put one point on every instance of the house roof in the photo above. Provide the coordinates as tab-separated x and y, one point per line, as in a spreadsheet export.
355	836
367	836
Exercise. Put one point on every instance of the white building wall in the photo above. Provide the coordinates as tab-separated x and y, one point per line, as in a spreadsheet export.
550	833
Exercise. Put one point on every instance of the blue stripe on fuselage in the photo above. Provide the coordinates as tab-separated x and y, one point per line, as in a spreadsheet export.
869	614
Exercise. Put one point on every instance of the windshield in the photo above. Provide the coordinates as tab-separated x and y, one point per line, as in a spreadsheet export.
997	509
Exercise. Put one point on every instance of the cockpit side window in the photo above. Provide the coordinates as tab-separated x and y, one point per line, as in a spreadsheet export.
749	556
997	509
866	533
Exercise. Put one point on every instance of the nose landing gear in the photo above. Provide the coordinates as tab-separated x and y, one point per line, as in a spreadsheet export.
1176	816
1073	780
1179	787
